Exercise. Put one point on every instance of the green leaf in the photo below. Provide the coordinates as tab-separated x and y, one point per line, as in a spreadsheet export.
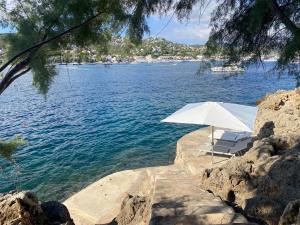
8	148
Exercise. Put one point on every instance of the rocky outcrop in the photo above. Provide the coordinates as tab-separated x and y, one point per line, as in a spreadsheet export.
56	213
20	208
266	178
23	208
134	211
279	114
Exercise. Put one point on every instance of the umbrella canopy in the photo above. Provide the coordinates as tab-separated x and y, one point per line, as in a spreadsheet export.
218	114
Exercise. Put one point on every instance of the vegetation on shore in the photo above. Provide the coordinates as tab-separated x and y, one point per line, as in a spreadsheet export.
123	50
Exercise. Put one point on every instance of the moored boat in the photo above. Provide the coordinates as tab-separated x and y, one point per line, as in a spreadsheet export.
227	69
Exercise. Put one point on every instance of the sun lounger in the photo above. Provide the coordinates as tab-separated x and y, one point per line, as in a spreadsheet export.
218	149
228	143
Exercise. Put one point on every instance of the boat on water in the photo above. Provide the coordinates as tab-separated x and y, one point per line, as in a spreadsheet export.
227	69
76	63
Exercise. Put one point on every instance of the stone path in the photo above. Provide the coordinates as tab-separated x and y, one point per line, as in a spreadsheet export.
178	200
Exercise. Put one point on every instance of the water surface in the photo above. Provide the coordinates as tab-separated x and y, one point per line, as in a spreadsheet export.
97	120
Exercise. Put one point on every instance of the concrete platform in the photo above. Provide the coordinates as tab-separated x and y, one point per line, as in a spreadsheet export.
100	202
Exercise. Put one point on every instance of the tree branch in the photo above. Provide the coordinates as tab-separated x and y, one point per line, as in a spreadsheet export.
49	40
5	82
10	75
290	25
14	78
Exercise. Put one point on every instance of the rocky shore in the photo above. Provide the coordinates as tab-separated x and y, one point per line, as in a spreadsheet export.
265	182
260	187
23	208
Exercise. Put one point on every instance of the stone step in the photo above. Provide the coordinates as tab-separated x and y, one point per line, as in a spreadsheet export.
173	171
182	192
196	219
173	174
179	200
172	177
179	187
186	198
181	172
176	181
196	201
178	208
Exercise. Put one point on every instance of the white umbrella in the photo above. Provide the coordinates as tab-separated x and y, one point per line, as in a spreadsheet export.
216	114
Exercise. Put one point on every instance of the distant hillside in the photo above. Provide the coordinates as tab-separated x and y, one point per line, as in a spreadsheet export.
122	50
155	47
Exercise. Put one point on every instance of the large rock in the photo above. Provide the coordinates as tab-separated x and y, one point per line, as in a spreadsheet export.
20	209
279	114
56	213
23	208
266	178
134	211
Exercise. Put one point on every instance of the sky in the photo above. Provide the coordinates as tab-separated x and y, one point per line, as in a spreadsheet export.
194	31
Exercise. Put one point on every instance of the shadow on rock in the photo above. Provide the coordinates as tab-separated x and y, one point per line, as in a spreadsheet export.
56	213
266	130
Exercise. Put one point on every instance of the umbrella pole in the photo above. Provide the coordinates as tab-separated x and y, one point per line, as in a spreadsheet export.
212	144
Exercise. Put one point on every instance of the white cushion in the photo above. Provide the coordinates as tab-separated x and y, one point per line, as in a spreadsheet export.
230	135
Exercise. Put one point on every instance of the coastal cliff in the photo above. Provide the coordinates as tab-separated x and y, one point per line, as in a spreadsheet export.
266	179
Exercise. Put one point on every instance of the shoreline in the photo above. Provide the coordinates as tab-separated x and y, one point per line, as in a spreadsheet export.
128	63
153	61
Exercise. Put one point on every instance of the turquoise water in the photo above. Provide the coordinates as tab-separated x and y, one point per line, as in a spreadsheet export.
97	120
